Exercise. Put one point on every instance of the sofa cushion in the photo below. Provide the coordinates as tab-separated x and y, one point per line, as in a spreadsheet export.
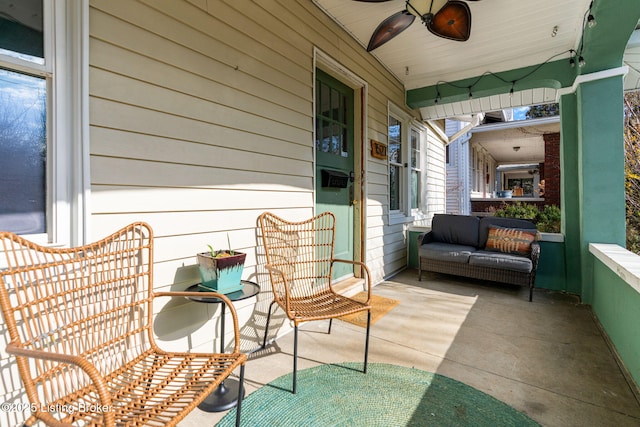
489	221
510	240
446	252
456	229
501	260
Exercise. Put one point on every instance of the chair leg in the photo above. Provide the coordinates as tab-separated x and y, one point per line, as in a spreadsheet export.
366	343
295	357
266	327
240	395
330	322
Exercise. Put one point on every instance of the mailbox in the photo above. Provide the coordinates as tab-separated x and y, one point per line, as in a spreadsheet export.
335	179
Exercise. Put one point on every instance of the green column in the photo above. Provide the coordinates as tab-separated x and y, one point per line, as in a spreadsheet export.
570	191
593	199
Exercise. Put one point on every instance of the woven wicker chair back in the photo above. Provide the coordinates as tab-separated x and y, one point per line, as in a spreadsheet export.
90	301
302	250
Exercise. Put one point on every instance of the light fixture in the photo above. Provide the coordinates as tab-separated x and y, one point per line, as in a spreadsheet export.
425	9
449	19
581	61
591	20
572	59
516	148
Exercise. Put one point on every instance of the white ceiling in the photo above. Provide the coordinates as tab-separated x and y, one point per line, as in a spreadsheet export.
505	35
498	29
499	140
26	12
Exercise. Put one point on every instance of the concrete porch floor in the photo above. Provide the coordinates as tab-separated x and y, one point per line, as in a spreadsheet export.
547	358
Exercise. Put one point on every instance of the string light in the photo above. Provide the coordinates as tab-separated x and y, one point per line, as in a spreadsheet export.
588	21
572	60
581	62
591	20
513	82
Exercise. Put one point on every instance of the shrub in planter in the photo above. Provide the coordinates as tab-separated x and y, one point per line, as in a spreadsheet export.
547	220
221	271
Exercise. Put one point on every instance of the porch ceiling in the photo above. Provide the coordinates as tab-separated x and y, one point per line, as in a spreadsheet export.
506	37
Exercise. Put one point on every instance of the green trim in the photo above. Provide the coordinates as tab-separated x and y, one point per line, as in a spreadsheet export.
603	49
556	74
617	306
605	43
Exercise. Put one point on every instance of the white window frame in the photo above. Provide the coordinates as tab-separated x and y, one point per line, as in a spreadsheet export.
65	68
406	214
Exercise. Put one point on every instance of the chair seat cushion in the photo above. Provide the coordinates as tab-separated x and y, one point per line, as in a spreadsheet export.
501	260
446	252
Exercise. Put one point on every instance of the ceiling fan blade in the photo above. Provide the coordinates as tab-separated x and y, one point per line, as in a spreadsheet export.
389	28
452	22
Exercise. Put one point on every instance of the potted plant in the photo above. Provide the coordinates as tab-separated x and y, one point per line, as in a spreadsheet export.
221	270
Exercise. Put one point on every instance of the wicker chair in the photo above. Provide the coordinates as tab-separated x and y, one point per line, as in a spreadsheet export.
300	259
80	324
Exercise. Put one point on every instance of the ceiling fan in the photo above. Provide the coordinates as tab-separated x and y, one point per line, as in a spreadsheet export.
450	19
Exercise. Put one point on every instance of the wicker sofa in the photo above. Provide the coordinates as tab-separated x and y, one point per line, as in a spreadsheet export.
489	248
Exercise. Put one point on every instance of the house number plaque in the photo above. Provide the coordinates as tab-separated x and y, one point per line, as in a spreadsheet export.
378	150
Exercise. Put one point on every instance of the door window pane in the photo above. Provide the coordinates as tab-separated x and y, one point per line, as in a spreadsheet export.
331	121
22	153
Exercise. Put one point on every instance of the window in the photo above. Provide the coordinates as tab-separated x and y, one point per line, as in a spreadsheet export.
405	167
395	164
416	175
41	161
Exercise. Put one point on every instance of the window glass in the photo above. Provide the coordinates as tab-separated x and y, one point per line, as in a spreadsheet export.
331	121
23	153
395	140
395	167
21	24
415	169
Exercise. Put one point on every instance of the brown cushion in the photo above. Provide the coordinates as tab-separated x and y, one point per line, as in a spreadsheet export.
510	240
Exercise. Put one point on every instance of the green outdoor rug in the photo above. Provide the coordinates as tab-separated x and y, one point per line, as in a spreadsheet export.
386	396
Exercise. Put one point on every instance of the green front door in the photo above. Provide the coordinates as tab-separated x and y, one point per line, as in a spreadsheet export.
335	161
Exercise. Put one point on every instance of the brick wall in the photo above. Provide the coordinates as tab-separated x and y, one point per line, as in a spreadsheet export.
551	170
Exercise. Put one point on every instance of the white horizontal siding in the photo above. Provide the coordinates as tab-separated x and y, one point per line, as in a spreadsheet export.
201	118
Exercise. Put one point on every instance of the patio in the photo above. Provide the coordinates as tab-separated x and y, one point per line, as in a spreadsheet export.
547	358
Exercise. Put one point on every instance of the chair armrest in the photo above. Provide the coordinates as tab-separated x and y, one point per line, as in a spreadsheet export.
285	281
225	300
425	238
535	254
365	269
98	380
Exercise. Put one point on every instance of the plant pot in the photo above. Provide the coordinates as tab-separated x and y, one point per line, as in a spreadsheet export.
223	274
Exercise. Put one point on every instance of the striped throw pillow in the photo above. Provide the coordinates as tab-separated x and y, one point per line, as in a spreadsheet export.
510	240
